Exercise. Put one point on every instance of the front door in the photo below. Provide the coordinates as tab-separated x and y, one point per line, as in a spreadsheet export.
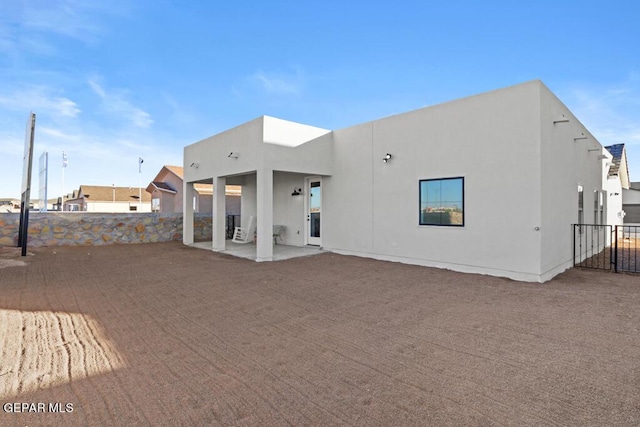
314	210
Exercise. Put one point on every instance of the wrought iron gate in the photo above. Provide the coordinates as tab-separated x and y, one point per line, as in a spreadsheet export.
606	247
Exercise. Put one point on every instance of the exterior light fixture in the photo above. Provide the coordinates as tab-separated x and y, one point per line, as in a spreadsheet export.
194	165
296	192
386	158
233	155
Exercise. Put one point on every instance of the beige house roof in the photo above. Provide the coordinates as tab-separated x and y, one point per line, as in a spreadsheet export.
100	193
231	190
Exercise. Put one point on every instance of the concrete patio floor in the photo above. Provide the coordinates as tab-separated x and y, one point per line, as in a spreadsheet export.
248	250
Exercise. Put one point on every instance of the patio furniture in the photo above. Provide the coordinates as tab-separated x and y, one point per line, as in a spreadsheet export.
244	234
277	233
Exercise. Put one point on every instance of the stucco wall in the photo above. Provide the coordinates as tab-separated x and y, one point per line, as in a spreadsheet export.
371	208
55	229
566	163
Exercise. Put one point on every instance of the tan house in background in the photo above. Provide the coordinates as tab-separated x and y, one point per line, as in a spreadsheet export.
95	198
167	188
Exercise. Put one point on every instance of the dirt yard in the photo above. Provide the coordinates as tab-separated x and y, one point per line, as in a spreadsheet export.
164	334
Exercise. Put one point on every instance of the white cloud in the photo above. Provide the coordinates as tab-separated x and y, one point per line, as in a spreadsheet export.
39	99
609	112
280	84
116	103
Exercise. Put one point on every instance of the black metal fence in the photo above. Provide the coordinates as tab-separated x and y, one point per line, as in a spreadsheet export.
626	257
606	247
592	246
233	221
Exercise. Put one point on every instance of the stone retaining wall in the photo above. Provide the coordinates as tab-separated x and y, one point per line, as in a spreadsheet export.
84	228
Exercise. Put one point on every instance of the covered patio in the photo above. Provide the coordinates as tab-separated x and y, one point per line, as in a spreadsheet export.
272	160
249	251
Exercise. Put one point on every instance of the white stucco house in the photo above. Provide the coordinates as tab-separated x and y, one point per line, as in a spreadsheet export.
488	184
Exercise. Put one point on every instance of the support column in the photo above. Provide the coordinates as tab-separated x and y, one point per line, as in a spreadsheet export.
264	250
187	213
219	212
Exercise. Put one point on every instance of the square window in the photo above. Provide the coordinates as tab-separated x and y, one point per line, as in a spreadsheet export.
442	202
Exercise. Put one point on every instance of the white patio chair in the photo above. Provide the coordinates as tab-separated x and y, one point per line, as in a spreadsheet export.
244	234
277	233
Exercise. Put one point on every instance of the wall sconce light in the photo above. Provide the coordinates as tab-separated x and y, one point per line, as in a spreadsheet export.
386	158
296	192
233	155
194	165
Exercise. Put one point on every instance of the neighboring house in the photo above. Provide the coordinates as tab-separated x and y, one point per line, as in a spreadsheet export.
624	194
95	198
617	184
487	184
167	188
631	203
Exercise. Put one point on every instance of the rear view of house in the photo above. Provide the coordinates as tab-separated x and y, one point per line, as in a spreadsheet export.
487	184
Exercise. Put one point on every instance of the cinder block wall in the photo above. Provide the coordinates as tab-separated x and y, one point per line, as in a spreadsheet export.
84	228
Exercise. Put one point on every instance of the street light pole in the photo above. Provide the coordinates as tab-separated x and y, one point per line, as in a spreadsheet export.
140	161
64	166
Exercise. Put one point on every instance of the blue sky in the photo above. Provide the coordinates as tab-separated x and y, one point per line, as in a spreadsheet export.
114	81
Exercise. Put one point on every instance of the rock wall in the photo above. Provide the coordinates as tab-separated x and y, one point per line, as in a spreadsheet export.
84	228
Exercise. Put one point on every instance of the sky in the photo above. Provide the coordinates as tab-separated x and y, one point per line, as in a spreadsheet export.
112	82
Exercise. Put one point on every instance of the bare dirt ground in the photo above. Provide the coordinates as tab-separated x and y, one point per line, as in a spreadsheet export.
164	334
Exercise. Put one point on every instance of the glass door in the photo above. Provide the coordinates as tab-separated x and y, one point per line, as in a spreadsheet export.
314	211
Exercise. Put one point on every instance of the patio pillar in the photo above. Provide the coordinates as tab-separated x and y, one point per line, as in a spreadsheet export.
187	213
219	212
264	199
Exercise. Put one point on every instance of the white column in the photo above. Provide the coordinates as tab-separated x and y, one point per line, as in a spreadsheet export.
219	212
264	250
187	213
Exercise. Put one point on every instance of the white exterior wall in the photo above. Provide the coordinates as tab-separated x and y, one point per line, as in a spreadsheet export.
289	210
566	163
492	140
117	207
615	213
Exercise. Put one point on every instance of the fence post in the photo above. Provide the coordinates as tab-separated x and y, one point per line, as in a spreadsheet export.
615	252
574	245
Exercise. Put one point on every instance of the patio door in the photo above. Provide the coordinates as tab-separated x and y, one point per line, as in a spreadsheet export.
314	210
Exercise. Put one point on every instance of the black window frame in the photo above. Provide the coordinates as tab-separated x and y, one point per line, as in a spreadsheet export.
461	178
